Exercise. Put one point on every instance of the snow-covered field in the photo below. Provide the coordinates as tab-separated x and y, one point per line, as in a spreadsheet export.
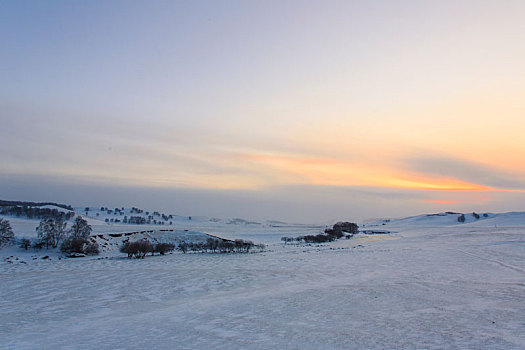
432	283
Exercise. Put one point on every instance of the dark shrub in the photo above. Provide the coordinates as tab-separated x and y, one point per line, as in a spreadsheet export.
38	245
348	227
126	248
320	238
92	249
287	239
183	247
138	249
74	245
25	243
163	248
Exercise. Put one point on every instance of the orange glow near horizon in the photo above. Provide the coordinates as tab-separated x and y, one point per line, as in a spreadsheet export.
442	201
332	172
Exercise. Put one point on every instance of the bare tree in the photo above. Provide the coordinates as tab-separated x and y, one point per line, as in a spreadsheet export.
60	232
183	247
51	232
80	229
92	248
79	239
25	243
6	232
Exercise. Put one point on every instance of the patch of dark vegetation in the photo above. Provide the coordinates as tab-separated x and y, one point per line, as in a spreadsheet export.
320	238
237	221
143	217
475	215
140	248
219	245
4	203
339	230
375	232
461	218
36	213
163	248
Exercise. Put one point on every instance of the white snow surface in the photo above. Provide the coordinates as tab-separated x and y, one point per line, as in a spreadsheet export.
431	283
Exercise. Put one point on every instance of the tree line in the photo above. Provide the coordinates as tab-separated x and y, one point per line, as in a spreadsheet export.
140	248
331	234
36	213
4	203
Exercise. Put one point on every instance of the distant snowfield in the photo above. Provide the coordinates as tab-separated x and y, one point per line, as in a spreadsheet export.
431	283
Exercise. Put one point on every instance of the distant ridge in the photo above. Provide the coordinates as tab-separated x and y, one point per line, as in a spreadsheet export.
4	203
453	218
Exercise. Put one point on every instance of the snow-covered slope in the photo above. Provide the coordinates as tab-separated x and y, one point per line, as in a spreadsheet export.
111	242
450	218
432	283
124	220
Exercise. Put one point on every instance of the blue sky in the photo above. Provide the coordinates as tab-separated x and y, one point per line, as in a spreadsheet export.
243	103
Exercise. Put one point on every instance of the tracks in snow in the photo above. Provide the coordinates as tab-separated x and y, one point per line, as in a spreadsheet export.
515	268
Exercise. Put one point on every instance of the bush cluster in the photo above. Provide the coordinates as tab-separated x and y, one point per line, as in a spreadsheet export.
331	234
213	245
320	238
79	245
139	249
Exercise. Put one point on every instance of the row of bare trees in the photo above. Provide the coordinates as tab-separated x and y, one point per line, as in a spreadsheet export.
36	213
214	245
140	248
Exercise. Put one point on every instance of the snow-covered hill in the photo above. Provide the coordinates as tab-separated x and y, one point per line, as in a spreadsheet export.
433	283
124	220
111	242
450	218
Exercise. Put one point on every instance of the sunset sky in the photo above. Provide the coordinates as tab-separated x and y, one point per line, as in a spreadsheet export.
292	110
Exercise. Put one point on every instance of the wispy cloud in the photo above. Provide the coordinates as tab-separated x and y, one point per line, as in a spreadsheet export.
487	177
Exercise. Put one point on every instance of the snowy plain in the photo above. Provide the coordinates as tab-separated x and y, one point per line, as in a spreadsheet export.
431	283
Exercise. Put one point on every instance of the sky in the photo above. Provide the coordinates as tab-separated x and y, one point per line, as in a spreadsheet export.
304	111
